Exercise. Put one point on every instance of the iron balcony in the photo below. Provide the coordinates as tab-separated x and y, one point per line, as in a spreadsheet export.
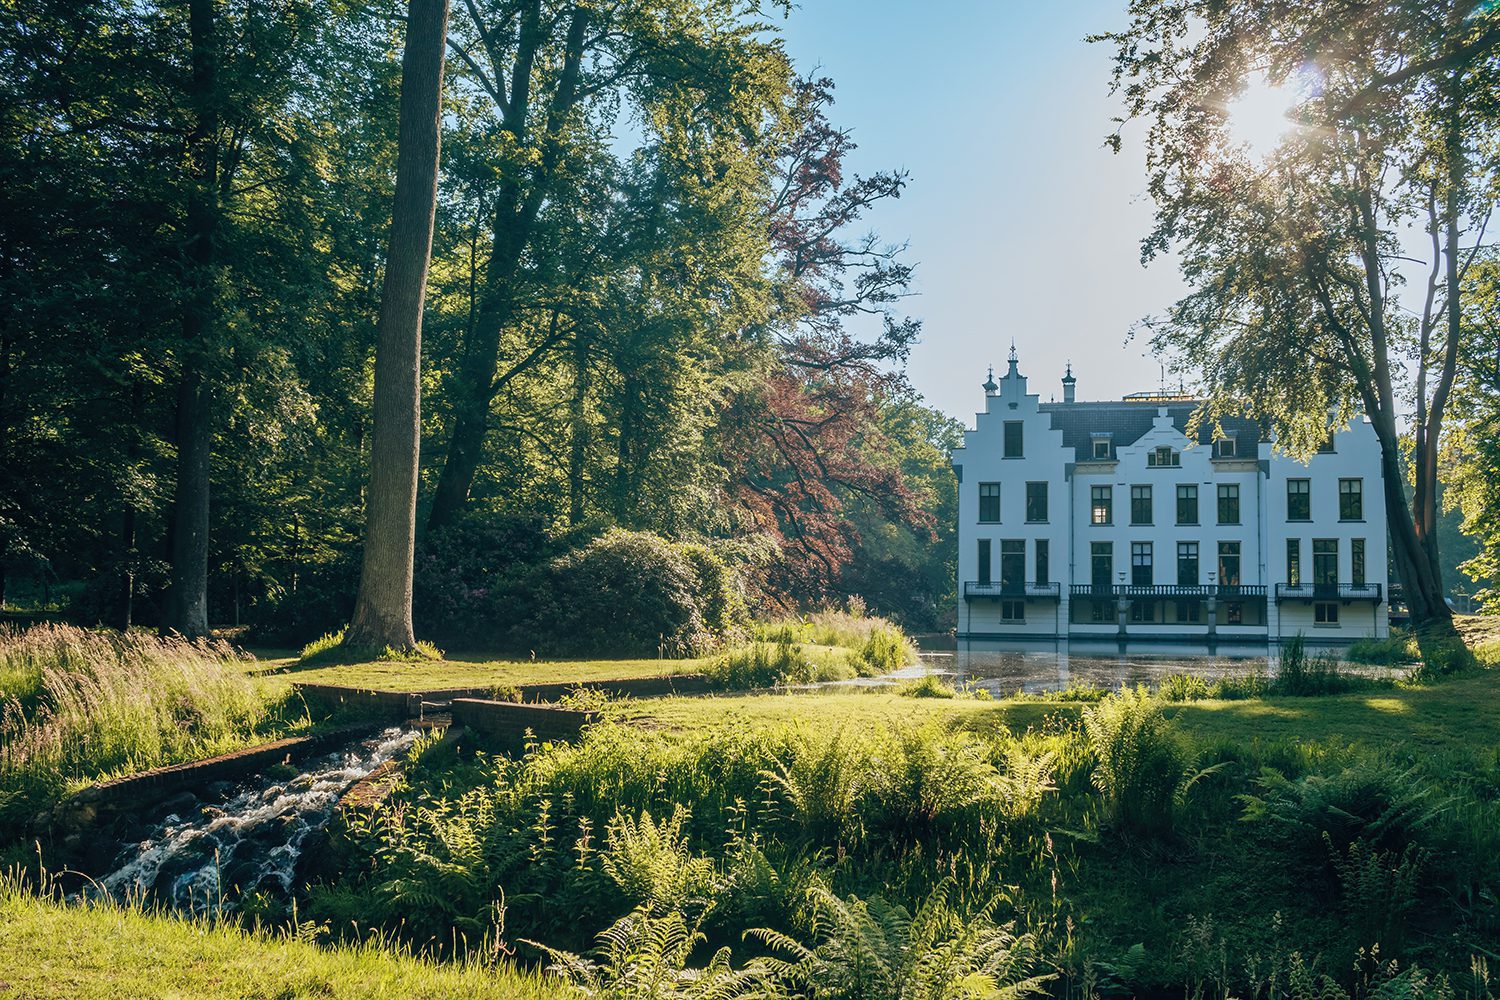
1329	592
1181	592
1013	591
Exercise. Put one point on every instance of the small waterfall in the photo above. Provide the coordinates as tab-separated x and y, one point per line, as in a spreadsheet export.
192	858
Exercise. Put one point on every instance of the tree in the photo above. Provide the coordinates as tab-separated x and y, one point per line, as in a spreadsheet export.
1294	262
382	610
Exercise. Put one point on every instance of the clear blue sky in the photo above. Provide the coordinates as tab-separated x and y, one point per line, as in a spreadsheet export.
1022	223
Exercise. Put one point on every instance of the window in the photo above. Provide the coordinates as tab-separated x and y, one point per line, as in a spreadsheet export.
1102	611
1357	561
1229	503
1189	612
1102	564
1102	500
958	472
984	560
1325	561
1163	457
1294	561
1298	500
1143	611
1013	438
1101	449
1326	448
1140	564
1036	502
1187	564
1229	564
1043	552
1224	448
1234	613
989	503
1013	566
1326	613
1013	611
1351	499
1140	505
1187	503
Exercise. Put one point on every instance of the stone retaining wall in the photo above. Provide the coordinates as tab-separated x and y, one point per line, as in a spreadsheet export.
504	724
131	793
401	705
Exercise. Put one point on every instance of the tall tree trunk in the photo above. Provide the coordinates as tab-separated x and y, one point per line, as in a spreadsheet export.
187	605
382	611
129	521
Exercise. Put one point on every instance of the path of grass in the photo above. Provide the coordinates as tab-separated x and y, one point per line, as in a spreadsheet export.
462	672
1462	711
81	953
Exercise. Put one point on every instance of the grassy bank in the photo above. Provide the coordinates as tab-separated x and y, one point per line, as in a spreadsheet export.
81	705
1140	845
105	952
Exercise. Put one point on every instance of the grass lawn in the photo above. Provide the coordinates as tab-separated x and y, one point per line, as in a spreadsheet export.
1462	711
464	671
52	950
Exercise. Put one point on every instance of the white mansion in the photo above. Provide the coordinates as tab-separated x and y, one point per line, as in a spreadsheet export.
1105	520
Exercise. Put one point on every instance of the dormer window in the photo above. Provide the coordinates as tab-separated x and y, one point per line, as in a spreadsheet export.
1163	457
1224	448
1101	449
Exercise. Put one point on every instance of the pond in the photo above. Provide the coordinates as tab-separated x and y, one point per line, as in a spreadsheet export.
1004	668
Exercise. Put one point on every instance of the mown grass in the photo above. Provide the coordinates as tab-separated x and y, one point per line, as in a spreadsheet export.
104	952
458	672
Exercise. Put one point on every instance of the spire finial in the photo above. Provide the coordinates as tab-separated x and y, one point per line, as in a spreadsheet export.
1013	372
989	386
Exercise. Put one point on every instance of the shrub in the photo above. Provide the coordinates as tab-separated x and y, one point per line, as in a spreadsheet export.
1139	765
773	664
928	686
1300	674
1397	649
884	649
629	593
464	572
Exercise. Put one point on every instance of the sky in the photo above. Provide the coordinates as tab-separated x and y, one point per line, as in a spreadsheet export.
1023	225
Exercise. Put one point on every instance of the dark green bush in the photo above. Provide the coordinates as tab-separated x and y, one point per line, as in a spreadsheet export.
631	593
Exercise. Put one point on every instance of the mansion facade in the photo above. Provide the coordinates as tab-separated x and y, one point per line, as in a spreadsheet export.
1104	520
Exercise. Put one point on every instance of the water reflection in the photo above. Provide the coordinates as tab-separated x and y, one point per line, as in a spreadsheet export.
1004	668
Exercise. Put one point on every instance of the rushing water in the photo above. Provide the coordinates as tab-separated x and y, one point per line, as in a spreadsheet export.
250	839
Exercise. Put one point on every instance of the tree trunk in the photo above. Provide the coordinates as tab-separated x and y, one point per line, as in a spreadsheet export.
382	611
187	604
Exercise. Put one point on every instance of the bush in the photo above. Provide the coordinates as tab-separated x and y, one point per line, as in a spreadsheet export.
885	648
632	593
1300	674
1397	649
465	572
1139	765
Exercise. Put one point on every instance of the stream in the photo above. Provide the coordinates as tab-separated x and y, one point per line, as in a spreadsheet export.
248	837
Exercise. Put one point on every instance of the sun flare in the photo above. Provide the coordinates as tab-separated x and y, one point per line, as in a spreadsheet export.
1260	117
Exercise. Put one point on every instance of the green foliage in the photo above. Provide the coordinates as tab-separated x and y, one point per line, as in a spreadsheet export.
1140	765
632	593
885	649
81	705
768	664
870	948
928	686
1397	649
1299	674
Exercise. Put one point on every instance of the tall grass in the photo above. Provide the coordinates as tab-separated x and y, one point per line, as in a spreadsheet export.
81	704
879	645
774	664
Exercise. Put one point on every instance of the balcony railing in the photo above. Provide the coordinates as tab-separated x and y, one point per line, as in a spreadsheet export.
1222	592
1014	591
1329	592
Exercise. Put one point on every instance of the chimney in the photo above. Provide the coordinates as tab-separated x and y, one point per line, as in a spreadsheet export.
1069	384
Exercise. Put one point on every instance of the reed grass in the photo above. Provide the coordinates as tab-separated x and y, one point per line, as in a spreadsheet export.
79	705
